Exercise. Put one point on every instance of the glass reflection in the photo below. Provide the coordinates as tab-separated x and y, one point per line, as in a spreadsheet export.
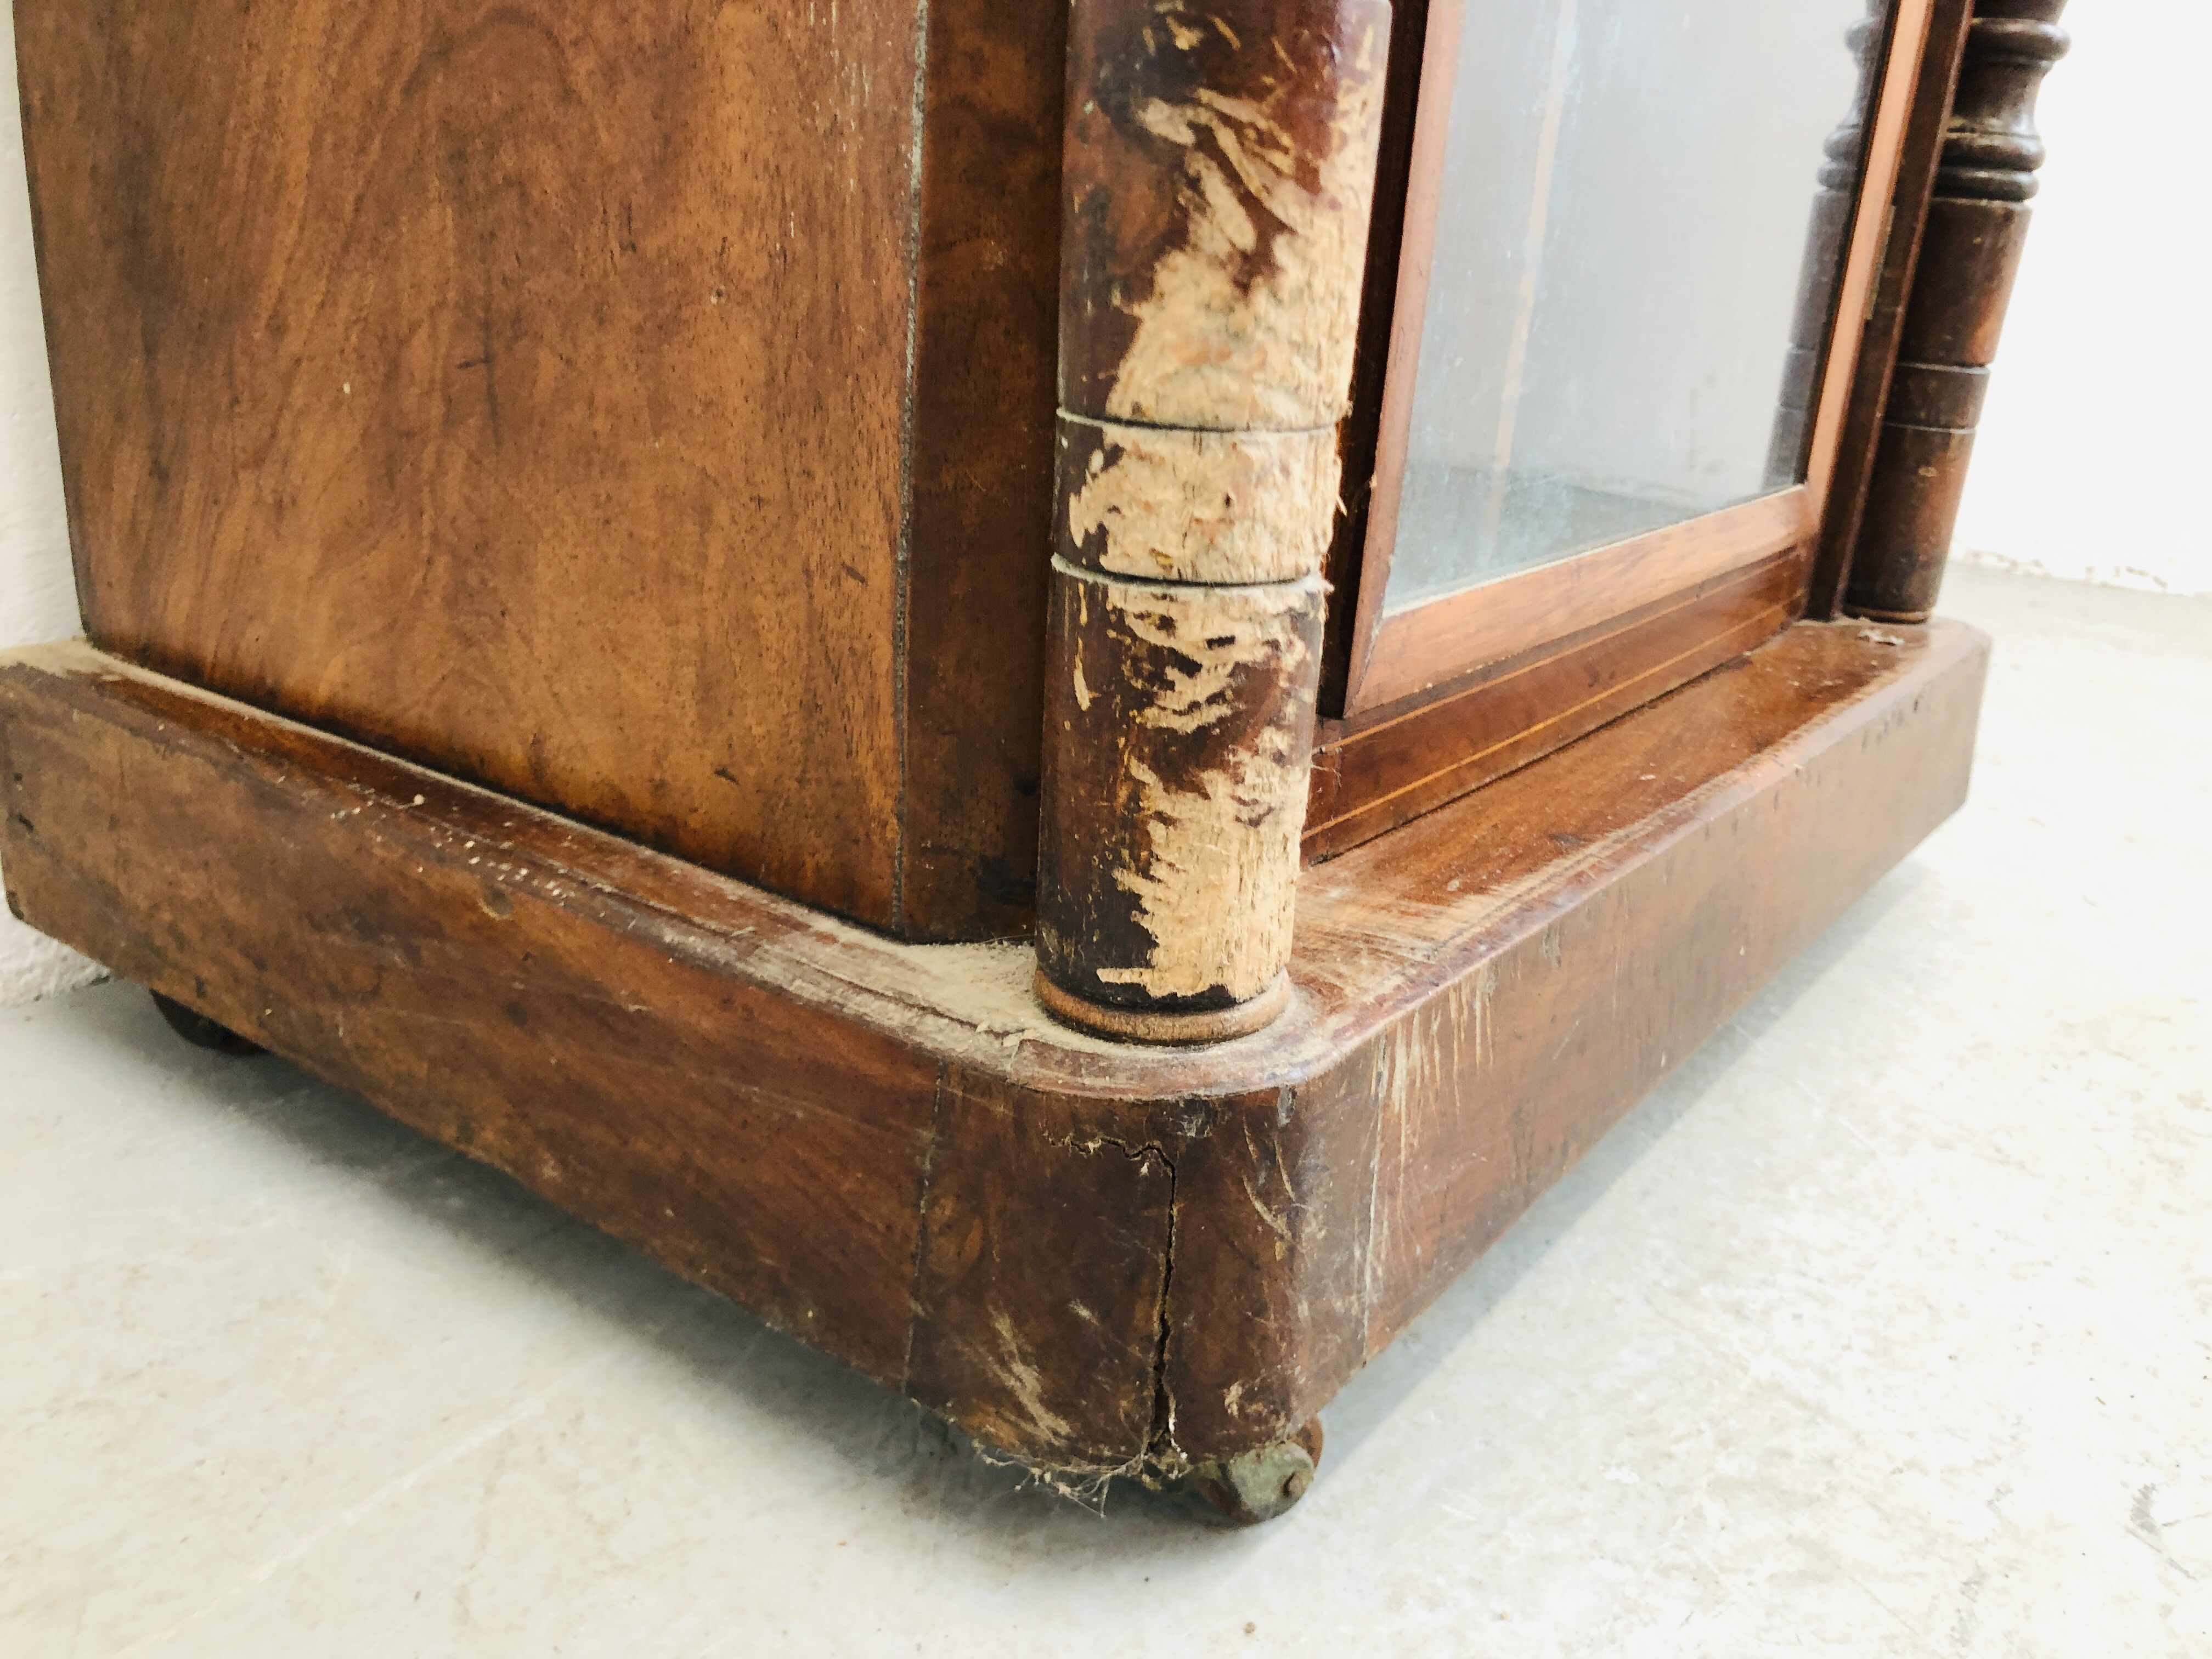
1615	287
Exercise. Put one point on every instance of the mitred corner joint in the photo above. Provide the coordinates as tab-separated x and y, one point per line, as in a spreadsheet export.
1220	171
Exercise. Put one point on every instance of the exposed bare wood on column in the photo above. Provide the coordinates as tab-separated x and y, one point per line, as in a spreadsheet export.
1969	254
1220	172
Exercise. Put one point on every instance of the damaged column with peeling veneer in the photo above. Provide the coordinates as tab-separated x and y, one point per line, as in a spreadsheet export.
1219	174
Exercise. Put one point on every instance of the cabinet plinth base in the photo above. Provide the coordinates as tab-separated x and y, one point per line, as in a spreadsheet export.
887	1149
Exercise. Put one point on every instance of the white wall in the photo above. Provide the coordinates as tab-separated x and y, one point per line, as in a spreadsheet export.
37	601
2093	458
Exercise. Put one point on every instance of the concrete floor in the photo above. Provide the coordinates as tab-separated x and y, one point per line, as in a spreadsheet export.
1884	1327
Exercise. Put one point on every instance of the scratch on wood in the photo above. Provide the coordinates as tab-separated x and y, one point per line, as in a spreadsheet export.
914	1311
1225	508
1214	348
1216	874
1017	1374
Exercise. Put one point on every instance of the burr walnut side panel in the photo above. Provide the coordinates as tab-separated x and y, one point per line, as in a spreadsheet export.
530	390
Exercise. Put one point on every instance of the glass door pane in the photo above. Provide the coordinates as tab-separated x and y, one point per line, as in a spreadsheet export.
1621	236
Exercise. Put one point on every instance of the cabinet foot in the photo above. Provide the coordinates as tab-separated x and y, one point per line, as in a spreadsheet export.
1265	1483
201	1031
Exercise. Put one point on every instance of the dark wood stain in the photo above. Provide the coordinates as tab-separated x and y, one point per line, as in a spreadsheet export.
1359	433
1377	771
583	402
985	356
1125	183
1022	1181
1920	154
648	414
1975	231
1088	1255
1179	714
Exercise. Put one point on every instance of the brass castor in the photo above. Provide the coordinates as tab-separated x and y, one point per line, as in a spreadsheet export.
1261	1484
201	1031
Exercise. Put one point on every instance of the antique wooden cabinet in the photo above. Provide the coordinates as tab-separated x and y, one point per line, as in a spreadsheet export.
1063	694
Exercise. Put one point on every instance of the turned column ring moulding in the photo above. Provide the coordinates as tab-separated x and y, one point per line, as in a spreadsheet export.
1219	178
1619	338
1976	232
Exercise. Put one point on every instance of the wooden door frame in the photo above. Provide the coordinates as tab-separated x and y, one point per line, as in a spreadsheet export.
1390	658
1389	763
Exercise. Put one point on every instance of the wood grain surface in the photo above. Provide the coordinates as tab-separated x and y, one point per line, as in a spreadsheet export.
1425	646
1219	170
1179	725
1398	194
986	355
1919	149
628	408
1376	771
1093	1256
1379	657
1971	246
1889	122
1218	174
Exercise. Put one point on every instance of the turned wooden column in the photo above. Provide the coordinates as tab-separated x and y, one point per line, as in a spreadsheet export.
1220	169
1969	254
1827	234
